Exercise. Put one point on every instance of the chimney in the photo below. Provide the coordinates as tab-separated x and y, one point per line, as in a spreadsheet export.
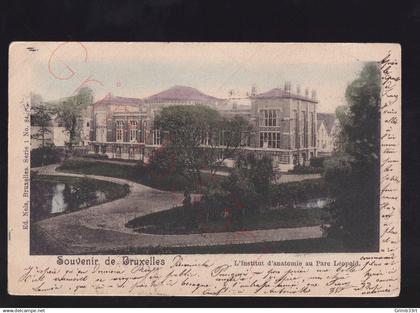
287	86
313	94
254	90
306	92
298	90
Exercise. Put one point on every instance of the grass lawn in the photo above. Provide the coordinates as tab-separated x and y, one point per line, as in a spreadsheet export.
179	220
128	172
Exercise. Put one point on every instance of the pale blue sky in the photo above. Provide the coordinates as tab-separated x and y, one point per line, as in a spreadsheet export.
144	76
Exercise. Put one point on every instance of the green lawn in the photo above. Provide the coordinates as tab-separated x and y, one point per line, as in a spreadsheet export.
129	172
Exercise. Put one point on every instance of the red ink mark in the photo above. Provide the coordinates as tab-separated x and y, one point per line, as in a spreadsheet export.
71	71
86	81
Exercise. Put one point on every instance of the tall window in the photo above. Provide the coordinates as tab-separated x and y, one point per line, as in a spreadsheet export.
157	137
131	152
270	140
119	130
269	117
228	138
133	130
297	130
313	134
205	138
118	152
305	129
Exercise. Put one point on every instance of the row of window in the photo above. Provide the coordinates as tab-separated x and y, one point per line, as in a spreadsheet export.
301	129
270	140
119	134
268	117
132	151
266	140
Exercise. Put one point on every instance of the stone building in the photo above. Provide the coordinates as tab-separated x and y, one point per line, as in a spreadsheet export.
54	135
285	126
117	127
284	123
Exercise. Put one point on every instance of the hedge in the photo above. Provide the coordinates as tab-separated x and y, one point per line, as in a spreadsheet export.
45	156
295	192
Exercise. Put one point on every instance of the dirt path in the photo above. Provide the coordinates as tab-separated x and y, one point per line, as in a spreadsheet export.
102	227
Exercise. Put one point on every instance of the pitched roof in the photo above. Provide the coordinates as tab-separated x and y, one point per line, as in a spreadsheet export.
281	93
328	119
182	93
110	99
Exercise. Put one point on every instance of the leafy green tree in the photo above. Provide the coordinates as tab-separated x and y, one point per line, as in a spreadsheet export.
245	191
353	174
41	116
197	137
69	111
251	179
224	143
41	122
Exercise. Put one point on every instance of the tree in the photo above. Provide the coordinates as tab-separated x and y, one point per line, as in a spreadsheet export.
246	191
198	137
353	174
69	111
225	141
41	116
250	181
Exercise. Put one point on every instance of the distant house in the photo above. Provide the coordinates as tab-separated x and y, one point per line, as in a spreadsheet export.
327	128
52	135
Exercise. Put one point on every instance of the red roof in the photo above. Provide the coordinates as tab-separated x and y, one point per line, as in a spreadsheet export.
110	99
281	93
182	93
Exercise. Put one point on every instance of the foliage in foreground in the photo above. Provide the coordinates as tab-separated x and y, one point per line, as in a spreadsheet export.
353	174
223	213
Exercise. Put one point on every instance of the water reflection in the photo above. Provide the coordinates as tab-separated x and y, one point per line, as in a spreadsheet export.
314	203
52	198
58	205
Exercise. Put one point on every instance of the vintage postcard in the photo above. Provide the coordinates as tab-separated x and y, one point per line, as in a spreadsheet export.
204	169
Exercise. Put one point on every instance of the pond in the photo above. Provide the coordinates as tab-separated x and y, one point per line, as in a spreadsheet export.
54	196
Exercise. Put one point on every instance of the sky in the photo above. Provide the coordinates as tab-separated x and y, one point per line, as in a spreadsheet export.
141	70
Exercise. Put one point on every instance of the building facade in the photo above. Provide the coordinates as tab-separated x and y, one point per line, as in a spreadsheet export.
284	123
327	132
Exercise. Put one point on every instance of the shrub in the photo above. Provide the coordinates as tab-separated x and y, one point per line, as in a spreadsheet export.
294	192
44	156
96	156
300	169
318	161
